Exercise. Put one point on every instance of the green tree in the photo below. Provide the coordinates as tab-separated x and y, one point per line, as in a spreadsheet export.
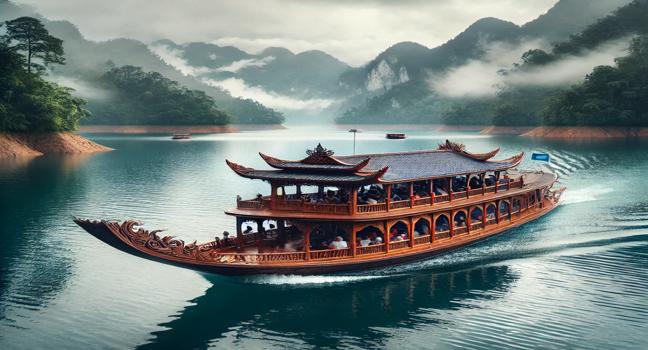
29	35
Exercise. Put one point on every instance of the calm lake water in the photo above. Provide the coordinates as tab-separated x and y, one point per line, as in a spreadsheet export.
577	278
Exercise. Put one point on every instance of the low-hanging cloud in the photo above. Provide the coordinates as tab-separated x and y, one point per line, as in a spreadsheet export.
174	58
246	63
81	88
238	88
483	78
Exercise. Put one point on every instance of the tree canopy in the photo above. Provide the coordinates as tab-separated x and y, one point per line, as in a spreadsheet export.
29	35
149	98
28	103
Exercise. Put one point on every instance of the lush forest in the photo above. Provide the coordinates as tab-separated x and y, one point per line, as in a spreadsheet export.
609	95
135	97
28	103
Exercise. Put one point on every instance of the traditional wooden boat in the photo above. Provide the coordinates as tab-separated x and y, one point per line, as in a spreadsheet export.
395	136
365	211
179	136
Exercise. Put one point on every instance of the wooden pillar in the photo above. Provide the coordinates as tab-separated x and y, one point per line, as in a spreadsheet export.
386	236
353	239
451	223
273	195
353	201
388	195
468	221
483	182
449	189
298	190
468	186
239	233
510	208
307	233
484	215
432	228
497	177
497	211
411	194
411	232
431	192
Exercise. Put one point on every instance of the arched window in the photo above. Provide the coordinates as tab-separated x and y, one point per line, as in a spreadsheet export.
490	211
322	235
398	232
421	228
460	219
370	235
442	223
516	204
504	208
476	215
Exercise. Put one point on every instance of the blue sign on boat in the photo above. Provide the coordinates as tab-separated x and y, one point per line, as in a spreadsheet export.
544	157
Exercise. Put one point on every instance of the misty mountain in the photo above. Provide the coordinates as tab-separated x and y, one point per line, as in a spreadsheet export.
87	60
309	74
408	65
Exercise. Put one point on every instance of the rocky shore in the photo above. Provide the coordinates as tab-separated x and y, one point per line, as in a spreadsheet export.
37	144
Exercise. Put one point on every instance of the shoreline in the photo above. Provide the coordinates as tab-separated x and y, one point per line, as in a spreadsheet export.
16	145
172	129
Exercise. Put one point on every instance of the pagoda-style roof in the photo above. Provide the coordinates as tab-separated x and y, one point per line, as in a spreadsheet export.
322	167
319	159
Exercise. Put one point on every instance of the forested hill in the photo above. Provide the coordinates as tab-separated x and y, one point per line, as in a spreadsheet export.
608	95
88	60
395	86
151	99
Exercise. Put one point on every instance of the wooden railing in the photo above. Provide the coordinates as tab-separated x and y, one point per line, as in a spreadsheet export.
372	249
491	221
441	234
475	226
399	244
399	204
293	203
422	201
460	230
458	195
372	208
475	192
422	240
330	253
325	208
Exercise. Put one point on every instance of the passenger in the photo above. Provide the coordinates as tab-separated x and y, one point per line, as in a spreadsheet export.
375	239
248	229
365	241
371	201
259	197
338	243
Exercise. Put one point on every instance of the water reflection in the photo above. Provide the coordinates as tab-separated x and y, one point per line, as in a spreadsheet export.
348	314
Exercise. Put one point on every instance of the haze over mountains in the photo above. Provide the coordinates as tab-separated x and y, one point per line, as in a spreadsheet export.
401	84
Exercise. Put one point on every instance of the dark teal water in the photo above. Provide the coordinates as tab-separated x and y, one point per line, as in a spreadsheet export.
577	278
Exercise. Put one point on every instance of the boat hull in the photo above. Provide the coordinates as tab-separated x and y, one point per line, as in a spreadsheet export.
147	245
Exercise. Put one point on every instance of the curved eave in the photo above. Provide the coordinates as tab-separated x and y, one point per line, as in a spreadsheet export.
291	165
481	156
278	176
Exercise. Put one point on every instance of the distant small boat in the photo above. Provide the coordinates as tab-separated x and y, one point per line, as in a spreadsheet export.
181	136
395	136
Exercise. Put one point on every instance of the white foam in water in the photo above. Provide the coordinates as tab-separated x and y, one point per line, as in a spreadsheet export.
306	280
587	194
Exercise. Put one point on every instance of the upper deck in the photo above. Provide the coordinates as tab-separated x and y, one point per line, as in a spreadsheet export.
365	187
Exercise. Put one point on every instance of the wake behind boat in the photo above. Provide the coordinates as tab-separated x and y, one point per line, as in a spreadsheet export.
368	211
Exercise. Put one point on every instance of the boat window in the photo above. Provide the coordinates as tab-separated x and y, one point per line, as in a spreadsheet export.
323	237
371	194
421	228
370	235
440	187
490	211
477	214
442	224
504	208
422	189
398	232
460	219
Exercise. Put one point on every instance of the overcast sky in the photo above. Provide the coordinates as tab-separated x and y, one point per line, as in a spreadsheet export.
354	31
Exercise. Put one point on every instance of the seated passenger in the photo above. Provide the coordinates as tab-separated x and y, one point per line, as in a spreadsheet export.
338	243
375	239
248	229
365	241
371	201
